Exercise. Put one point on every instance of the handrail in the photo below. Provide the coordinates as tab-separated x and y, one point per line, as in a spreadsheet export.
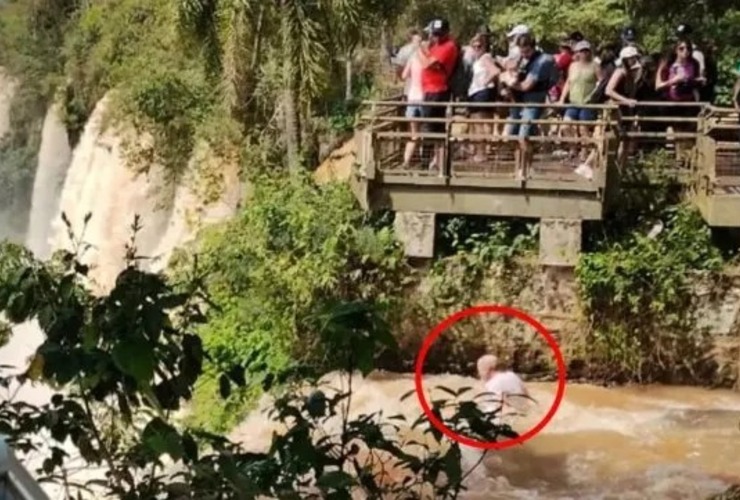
15	480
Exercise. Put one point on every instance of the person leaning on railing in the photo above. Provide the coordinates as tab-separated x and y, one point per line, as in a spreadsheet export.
438	60
482	89
535	79
580	84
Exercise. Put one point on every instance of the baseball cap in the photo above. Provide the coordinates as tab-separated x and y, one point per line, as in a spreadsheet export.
518	30
683	29
629	34
629	52
576	36
438	26
582	45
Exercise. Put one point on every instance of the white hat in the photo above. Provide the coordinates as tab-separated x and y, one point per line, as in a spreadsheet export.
582	45
518	30
628	52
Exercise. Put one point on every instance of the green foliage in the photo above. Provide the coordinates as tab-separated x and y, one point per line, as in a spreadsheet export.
474	246
293	248
105	351
164	91
31	34
636	291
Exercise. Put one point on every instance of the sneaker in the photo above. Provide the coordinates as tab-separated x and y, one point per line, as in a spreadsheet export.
585	171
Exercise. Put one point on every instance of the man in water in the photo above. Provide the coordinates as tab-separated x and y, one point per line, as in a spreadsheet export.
504	385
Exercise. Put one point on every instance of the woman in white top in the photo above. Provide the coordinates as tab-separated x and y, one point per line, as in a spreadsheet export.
482	90
415	96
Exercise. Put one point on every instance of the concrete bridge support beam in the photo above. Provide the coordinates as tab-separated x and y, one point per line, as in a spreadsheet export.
416	231
560	242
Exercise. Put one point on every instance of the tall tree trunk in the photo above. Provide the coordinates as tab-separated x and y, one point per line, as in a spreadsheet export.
291	111
348	74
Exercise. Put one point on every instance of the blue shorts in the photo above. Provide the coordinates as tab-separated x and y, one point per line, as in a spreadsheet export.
413	112
526	129
482	96
580	114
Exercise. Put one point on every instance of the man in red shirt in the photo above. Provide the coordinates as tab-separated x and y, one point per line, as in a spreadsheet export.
439	60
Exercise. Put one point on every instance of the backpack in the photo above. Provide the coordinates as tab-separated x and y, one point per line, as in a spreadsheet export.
461	76
598	96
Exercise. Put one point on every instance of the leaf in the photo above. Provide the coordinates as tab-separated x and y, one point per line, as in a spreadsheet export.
161	438
408	395
36	368
135	358
224	386
189	447
446	390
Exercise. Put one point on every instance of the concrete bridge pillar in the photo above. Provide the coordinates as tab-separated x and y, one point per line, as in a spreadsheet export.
560	242
416	231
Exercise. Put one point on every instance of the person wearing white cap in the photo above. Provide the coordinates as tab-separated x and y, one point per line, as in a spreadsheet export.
513	36
579	86
623	84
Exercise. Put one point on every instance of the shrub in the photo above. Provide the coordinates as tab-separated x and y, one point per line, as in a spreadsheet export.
294	247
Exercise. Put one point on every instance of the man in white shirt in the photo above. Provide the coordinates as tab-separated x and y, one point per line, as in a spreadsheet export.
505	386
404	53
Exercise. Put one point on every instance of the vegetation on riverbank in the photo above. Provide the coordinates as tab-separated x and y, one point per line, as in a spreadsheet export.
121	365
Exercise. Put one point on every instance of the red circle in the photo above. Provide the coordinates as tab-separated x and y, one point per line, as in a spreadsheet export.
506	311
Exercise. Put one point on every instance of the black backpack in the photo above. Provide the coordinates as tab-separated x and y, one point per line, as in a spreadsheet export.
460	78
598	96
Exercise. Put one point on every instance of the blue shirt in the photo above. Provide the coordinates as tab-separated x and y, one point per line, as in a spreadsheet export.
542	71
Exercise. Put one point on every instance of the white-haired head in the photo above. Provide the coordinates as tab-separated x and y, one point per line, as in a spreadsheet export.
487	364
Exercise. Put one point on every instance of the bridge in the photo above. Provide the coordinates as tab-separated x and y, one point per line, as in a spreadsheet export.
484	171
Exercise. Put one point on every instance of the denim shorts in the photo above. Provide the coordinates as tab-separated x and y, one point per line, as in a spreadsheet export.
413	111
525	129
580	114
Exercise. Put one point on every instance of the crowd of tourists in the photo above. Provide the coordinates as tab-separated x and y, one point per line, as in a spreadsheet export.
437	69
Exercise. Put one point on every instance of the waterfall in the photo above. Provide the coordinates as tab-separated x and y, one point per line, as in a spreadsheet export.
54	157
95	179
100	183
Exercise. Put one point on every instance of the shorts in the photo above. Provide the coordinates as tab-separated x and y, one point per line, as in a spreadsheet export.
482	96
526	129
414	111
435	112
580	114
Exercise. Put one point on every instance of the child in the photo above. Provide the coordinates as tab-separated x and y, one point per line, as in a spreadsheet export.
505	386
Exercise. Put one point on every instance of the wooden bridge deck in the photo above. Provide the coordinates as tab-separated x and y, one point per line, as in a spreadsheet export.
485	172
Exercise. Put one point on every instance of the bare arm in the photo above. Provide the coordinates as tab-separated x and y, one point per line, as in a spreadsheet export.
611	88
427	61
736	93
406	73
492	71
566	87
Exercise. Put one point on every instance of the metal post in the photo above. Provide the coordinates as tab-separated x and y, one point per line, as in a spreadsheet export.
16	483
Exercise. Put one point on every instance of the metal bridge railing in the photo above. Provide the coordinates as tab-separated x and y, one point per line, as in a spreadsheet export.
16	483
476	149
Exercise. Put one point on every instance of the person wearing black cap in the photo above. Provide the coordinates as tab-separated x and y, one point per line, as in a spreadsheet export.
439	60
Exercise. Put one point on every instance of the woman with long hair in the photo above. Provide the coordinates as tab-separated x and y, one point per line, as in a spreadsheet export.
482	89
